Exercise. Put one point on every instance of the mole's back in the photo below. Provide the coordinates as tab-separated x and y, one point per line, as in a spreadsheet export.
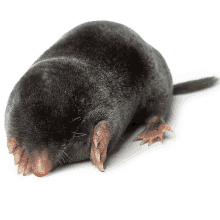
110	45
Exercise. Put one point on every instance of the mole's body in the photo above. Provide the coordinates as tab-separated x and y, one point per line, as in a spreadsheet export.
78	98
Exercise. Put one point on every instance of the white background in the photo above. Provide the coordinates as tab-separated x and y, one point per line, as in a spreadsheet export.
179	179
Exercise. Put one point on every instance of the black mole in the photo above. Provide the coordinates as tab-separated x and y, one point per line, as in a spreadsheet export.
78	98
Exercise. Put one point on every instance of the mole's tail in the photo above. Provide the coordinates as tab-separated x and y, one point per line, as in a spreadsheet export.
195	85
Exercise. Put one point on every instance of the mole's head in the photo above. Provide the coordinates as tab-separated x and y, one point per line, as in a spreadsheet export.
45	118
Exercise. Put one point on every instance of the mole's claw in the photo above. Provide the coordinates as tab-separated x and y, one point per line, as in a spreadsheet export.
11	144
101	167
17	155
27	169
21	168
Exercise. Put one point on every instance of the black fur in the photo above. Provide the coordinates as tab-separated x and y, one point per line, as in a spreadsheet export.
97	71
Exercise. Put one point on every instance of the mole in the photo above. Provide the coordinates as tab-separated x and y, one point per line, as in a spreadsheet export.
77	99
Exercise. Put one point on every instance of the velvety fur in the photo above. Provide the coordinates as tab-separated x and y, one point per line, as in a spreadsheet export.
97	71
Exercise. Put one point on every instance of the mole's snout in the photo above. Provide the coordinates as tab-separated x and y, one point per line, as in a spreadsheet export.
42	164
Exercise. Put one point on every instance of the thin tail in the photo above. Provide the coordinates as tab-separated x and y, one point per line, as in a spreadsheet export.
195	85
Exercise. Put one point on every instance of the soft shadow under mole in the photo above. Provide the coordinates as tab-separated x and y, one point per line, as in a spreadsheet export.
127	149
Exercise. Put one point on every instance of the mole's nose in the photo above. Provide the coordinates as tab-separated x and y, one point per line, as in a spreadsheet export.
42	163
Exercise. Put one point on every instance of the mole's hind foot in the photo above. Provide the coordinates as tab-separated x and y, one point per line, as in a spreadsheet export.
21	156
154	131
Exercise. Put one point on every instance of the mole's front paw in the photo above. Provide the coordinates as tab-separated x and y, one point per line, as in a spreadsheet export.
40	162
100	144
